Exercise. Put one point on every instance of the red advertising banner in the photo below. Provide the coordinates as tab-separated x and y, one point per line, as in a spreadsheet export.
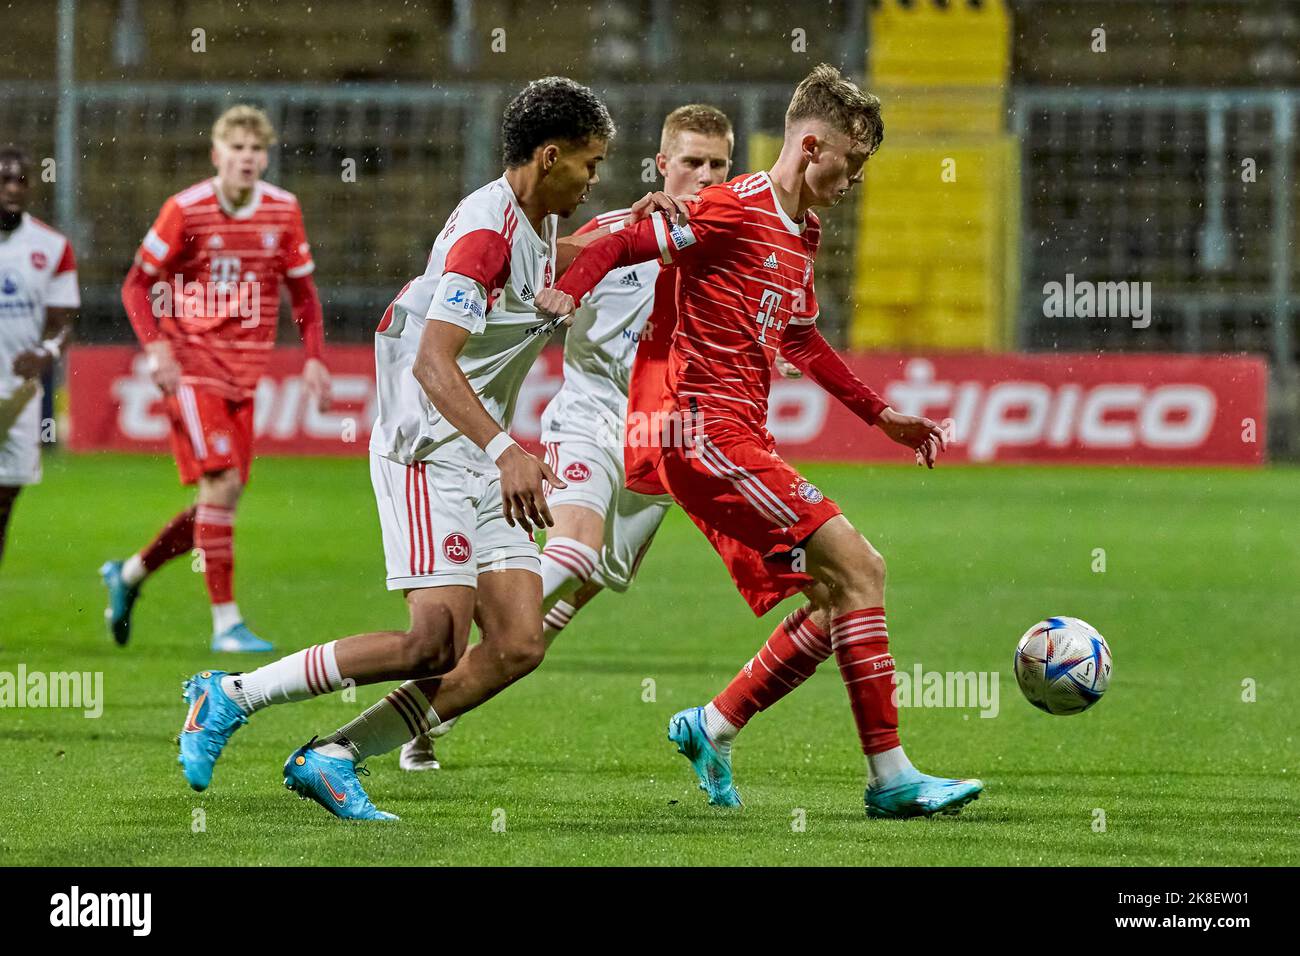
1113	409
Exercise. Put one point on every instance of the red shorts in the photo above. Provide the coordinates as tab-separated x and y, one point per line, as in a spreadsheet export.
210	433
752	506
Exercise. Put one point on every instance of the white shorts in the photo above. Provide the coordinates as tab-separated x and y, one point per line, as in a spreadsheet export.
442	524
20	451
594	474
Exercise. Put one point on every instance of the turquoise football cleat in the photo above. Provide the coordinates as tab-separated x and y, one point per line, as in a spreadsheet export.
212	718
332	782
238	639
686	730
121	599
918	794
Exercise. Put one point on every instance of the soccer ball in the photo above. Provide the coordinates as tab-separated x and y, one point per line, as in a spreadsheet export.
1063	665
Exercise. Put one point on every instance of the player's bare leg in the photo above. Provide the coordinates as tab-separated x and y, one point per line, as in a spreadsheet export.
574	544
846	606
221	703
8	495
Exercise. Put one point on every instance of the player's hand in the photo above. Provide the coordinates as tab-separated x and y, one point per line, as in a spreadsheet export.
522	498
163	368
317	379
551	303
676	208
32	363
922	435
787	369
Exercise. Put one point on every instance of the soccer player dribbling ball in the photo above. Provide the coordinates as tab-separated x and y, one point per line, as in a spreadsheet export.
603	529
457	497
745	289
203	297
38	302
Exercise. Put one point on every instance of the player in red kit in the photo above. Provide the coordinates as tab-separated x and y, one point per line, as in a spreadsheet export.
203	298
745	289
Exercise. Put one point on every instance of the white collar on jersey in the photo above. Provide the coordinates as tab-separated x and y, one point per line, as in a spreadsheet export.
243	212
796	228
548	243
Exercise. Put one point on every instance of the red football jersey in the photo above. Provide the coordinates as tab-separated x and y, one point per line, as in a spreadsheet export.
744	274
222	269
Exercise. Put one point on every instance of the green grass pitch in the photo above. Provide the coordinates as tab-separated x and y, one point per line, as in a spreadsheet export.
1199	594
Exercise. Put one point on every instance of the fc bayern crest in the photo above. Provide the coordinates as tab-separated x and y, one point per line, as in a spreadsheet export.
577	471
269	239
38	260
456	548
810	492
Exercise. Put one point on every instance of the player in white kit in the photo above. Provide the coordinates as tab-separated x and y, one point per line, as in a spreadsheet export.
457	497
603	529
38	302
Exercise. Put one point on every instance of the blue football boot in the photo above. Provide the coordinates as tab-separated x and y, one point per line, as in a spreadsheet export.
238	639
212	718
121	599
713	768
916	794
332	782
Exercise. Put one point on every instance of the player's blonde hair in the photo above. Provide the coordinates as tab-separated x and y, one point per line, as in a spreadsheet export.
826	94
244	116
694	118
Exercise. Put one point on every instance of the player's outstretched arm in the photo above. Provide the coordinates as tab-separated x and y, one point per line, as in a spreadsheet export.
310	319
807	349
675	207
522	474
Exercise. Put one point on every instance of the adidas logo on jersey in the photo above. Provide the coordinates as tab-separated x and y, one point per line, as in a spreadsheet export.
630	280
526	293
770	261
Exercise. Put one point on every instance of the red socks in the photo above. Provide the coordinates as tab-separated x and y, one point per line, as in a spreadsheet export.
788	658
214	529
861	644
172	541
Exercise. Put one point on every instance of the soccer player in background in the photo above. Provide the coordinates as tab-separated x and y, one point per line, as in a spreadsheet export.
457	497
38	302
602	529
745	289
203	297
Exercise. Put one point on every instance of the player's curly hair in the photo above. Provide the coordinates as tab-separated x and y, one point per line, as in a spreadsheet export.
549	109
828	95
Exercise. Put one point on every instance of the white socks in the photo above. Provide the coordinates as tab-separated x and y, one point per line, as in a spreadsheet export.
133	571
882	767
403	714
720	730
556	619
225	616
304	674
565	563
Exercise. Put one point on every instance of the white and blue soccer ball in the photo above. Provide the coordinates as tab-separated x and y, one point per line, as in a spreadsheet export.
1063	665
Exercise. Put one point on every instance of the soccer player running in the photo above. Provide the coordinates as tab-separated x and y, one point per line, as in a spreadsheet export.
744	267
203	297
603	529
38	302
457	497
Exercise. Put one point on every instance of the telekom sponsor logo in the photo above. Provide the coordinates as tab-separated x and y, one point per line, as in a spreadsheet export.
1164	409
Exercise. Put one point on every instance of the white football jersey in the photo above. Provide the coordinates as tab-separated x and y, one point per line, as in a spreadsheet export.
485	268
37	270
599	350
601	343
